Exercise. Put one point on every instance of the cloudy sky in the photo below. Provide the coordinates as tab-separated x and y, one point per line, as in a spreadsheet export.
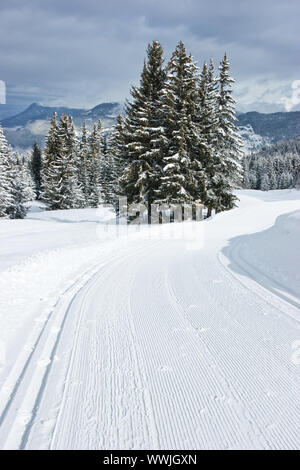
80	53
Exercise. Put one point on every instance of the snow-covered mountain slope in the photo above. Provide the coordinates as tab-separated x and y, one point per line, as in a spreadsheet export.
274	126
252	142
173	336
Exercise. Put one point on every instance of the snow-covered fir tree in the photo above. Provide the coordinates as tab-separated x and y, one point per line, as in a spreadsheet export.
49	155
181	163
208	127
227	168
6	199
117	153
15	182
21	188
265	183
24	167
94	165
143	131
83	157
36	169
107	178
106	171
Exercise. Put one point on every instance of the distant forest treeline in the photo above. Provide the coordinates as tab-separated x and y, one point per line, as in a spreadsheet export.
274	167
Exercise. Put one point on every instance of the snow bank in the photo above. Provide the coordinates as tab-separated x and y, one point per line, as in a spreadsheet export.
270	256
100	215
276	252
44	230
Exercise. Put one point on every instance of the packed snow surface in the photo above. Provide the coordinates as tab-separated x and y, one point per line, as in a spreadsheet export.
174	336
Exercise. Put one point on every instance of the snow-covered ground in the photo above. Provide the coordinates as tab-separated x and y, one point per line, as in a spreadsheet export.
175	336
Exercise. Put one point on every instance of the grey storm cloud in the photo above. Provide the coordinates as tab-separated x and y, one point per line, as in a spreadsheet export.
81	53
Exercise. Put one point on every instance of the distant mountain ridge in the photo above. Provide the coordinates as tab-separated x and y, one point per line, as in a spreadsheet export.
257	129
32	124
274	126
37	112
11	109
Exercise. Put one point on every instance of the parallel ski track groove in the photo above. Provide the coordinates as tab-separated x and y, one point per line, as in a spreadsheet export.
92	276
112	386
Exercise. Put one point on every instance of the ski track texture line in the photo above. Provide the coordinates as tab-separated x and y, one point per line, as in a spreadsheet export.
166	343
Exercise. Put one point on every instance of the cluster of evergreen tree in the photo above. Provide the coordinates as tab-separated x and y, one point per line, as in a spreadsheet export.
274	167
75	173
70	172
178	142
16	186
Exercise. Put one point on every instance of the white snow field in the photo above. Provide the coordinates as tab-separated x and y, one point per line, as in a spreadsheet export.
180	336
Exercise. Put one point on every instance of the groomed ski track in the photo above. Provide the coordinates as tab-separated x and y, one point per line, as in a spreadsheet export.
167	344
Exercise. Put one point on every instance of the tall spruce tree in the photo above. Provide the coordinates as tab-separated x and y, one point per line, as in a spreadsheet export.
118	155
83	158
108	178
6	177
49	156
208	126
106	171
15	182
94	165
21	190
181	162
143	132
227	161
36	169
23	165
